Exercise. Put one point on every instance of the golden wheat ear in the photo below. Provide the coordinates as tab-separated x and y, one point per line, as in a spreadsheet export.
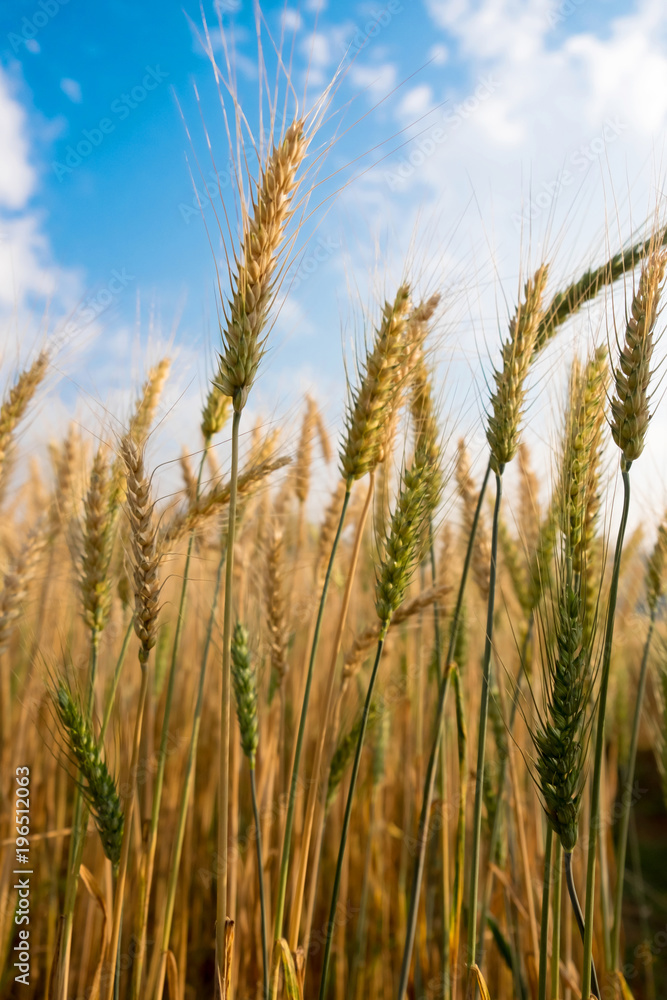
145	552
630	406
15	405
246	312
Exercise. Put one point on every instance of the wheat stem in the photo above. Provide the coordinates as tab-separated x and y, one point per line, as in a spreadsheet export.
77	841
291	802
599	740
578	915
626	799
502	775
225	716
555	930
260	875
481	738
146	882
297	902
346	819
459	861
114	944
444	831
429	782
116	678
188	782
544	925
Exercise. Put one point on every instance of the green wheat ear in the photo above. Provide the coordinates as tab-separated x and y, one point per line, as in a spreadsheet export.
560	737
99	787
245	692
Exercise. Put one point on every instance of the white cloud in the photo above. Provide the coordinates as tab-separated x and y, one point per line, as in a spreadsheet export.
71	89
26	265
438	54
377	79
291	19
17	175
27	268
510	29
416	102
317	50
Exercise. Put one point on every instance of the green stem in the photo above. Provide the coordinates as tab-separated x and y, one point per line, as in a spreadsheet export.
188	782
116	989
599	743
544	926
459	861
225	715
291	802
441	771
497	819
605	891
260	875
362	922
481	739
429	783
626	800
555	933
94	662
348	813
145	888
578	915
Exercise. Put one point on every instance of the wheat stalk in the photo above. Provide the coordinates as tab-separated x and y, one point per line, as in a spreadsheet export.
399	553
245	694
146	562
630	415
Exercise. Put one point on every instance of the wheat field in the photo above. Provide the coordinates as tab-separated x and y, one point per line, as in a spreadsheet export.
346	715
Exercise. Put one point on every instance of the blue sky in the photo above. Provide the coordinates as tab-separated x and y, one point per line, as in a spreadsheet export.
495	131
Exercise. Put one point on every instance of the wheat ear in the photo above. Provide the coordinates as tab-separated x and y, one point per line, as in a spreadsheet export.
99	787
517	353
371	403
630	413
97	545
245	316
567	302
15	405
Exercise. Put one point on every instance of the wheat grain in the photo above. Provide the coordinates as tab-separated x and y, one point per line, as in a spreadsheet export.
145	551
99	787
97	545
630	412
371	404
263	237
517	352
